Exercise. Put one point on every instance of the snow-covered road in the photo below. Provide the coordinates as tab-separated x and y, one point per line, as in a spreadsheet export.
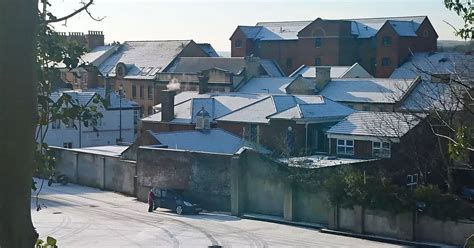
85	217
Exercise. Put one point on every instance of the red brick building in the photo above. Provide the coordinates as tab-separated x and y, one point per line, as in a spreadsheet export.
378	44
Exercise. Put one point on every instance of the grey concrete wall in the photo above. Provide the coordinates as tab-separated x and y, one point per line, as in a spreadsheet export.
99	171
389	224
204	177
346	219
311	206
449	232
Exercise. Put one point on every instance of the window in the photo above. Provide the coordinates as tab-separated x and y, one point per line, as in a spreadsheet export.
317	42
67	145
238	43
150	110
317	61
381	149
56	124
135	117
387	41
289	62
142	91
150	92
345	147
386	61
134	91
69	123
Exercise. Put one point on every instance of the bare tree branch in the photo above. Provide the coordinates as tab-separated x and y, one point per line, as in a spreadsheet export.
84	7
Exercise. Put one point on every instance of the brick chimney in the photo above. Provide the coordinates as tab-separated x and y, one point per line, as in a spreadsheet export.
203	84
167	105
323	76
95	39
252	66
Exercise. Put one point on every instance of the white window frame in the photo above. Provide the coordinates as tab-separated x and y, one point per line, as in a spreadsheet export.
381	151
345	146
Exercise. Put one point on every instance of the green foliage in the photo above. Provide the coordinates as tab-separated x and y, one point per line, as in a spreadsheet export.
464	9
348	187
50	243
459	150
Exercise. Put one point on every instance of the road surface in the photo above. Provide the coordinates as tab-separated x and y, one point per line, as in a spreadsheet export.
80	216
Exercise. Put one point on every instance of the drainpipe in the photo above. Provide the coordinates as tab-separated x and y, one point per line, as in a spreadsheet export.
306	145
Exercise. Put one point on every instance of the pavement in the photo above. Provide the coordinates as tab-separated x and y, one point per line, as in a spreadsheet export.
79	216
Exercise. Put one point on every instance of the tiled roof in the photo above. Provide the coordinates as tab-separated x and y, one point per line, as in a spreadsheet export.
98	55
267	85
143	58
81	98
207	48
361	28
287	107
310	71
375	124
214	141
272	68
369	90
198	64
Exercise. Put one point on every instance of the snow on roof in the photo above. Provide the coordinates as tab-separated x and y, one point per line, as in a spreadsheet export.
324	110
267	85
197	64
319	161
207	48
272	68
98	54
369	90
287	107
425	64
361	28
429	96
214	141
375	124
114	99
143	58
310	71
217	104
103	150
80	97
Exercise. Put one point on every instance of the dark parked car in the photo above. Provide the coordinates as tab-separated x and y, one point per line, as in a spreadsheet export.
468	193
174	200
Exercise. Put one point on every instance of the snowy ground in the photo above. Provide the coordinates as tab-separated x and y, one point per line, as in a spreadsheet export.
85	217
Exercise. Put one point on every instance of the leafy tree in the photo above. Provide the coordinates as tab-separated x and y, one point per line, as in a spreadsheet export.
463	8
31	52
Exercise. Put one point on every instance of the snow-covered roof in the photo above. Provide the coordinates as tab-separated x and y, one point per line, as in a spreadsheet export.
375	124
98	54
207	48
267	85
272	68
217	104
432	96
288	107
114	99
425	64
323	110
320	161
213	141
79	97
353	71
143	58
361	28
103	150
197	64
368	90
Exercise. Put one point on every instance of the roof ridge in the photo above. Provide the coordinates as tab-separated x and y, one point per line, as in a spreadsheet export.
188	40
386	17
283	21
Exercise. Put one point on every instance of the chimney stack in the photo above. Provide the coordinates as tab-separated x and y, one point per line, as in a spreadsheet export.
323	76
167	105
203	84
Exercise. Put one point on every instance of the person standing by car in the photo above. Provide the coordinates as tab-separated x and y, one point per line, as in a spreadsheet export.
151	201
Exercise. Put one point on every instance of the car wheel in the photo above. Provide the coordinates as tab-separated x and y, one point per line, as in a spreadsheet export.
179	210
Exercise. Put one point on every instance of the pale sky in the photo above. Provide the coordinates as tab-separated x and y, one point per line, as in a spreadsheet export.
214	21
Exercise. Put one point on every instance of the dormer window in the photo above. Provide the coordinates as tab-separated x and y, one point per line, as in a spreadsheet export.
120	70
203	120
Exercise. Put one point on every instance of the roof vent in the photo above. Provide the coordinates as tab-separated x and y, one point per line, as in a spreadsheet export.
203	120
442	60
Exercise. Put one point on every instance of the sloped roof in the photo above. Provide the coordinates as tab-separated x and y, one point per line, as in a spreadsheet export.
272	68
143	58
207	48
81	98
197	64
354	70
375	124
325	109
267	85
425	64
214	141
369	90
287	107
98	54
217	104
361	28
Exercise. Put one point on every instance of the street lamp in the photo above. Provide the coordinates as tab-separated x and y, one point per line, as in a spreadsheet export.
120	115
